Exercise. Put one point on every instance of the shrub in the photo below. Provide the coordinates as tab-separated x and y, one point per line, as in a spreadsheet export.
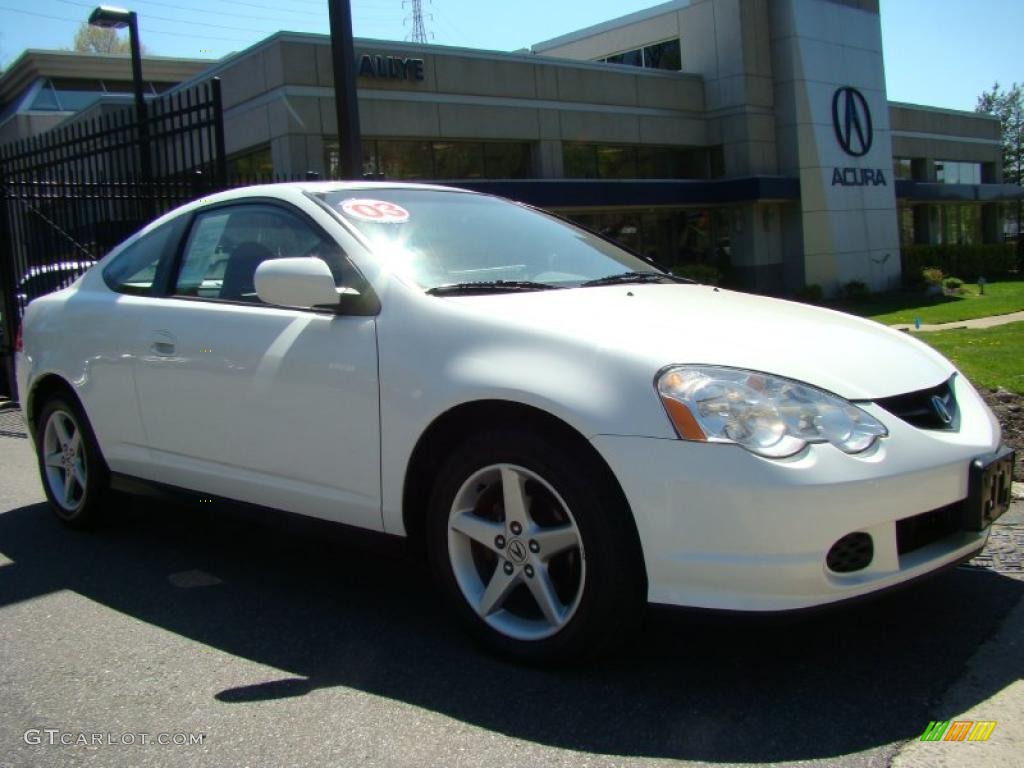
810	294
953	284
855	290
991	261
702	273
932	276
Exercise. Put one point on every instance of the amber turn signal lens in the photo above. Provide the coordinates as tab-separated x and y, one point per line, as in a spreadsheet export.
686	426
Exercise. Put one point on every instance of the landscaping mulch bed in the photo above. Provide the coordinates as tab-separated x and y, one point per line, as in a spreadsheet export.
1009	409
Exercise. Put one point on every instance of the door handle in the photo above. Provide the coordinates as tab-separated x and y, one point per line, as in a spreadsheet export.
163	344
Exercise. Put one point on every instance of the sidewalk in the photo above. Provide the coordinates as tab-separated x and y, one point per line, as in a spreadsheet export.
978	322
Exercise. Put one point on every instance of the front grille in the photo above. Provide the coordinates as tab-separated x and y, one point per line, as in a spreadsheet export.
933	408
921	530
851	553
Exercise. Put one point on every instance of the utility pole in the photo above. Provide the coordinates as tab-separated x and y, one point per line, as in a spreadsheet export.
346	99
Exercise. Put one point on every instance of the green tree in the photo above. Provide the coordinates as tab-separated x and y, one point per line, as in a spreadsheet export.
1008	106
99	40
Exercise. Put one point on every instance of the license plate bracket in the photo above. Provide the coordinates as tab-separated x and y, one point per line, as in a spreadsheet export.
989	483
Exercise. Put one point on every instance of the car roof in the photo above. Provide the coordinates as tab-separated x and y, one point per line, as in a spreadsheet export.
323	187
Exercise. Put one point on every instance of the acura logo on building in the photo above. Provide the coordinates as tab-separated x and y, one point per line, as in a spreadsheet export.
851	119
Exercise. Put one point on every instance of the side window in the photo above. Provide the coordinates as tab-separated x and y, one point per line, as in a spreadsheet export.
226	246
134	270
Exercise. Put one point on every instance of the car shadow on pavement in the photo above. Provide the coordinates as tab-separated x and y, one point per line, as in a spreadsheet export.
693	686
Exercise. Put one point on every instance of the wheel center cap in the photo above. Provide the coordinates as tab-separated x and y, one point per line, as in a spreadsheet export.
517	552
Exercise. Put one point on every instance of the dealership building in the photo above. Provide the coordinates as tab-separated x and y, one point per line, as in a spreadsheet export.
754	136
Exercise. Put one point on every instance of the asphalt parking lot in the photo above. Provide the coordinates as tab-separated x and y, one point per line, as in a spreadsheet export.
265	645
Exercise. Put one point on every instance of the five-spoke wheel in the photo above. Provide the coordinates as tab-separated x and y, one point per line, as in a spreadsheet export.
516	551
534	546
75	477
64	460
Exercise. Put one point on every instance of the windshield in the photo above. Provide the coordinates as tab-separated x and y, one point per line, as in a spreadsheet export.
436	238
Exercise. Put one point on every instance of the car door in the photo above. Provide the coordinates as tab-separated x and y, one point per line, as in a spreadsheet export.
260	403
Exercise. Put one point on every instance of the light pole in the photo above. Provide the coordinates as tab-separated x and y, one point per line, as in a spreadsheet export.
346	98
108	17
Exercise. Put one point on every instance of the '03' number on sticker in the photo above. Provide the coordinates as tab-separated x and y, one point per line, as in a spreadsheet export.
377	211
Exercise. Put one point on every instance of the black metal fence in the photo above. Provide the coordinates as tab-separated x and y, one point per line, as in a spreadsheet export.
70	195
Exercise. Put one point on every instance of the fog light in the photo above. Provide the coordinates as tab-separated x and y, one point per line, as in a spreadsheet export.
851	553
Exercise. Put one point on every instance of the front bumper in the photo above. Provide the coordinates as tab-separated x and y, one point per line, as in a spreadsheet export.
721	528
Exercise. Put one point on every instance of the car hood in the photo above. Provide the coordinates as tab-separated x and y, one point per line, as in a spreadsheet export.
668	324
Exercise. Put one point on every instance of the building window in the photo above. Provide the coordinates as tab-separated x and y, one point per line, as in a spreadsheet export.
416	159
616	162
953	172
627	161
959	224
398	159
634	58
70	94
579	161
252	164
669	237
665	55
906	219
458	160
504	160
903	168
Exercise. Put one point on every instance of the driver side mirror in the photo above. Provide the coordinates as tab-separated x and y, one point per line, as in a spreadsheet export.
306	282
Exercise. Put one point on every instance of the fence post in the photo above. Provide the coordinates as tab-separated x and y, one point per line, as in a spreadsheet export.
8	302
218	136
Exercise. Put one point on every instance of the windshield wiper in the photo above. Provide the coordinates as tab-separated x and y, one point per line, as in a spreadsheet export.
489	286
636	277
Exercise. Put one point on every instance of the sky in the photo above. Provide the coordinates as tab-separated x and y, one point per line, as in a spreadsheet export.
937	52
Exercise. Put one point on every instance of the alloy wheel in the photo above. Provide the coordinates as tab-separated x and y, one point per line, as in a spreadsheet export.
516	552
64	461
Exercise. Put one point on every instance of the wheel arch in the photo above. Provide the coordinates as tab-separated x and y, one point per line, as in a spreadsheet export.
41	390
458	423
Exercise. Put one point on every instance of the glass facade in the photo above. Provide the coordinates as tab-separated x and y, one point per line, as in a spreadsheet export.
957	224
627	161
253	164
420	159
70	94
664	55
905	214
671	237
953	172
902	168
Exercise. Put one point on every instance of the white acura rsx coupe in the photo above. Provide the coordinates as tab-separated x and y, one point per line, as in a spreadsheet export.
568	432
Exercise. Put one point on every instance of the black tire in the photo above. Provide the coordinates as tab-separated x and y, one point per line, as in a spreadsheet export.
82	507
605	590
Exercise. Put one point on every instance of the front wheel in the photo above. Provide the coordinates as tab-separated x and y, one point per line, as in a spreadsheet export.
533	549
74	475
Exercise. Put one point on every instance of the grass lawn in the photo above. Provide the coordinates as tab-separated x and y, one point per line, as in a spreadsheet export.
992	357
890	308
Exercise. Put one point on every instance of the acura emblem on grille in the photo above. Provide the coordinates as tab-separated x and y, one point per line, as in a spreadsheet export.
942	410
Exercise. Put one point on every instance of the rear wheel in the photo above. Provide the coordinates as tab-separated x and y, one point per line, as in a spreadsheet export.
533	550
75	477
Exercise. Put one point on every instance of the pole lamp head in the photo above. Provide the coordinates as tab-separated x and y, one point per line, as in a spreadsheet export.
109	17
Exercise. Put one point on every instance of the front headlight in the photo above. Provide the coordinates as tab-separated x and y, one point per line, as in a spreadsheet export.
767	415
